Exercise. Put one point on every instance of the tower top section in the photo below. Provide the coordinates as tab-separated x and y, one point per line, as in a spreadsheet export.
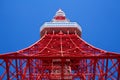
60	13
60	24
60	16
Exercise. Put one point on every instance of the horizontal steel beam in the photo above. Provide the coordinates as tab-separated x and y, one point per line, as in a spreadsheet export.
61	57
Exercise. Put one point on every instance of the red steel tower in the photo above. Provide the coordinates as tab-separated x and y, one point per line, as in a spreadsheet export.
60	54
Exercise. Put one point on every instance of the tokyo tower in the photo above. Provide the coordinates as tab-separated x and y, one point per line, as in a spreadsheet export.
60	54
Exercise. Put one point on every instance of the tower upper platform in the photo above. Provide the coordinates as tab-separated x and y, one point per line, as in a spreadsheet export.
60	24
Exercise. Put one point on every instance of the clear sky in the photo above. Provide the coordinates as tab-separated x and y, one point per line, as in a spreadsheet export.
20	21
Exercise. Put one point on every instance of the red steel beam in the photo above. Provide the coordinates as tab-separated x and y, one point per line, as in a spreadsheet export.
61	57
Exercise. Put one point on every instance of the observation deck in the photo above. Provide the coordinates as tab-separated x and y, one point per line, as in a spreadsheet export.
60	24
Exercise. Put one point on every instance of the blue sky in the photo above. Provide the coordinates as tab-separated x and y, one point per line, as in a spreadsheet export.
20	21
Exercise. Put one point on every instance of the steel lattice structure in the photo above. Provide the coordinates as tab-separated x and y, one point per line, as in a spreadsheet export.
60	54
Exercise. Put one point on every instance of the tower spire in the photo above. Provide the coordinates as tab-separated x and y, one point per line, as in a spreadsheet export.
60	13
60	16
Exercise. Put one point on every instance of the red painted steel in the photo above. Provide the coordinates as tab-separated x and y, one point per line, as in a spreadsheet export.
60	56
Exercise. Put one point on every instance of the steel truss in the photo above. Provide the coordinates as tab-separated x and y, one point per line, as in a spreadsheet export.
62	57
